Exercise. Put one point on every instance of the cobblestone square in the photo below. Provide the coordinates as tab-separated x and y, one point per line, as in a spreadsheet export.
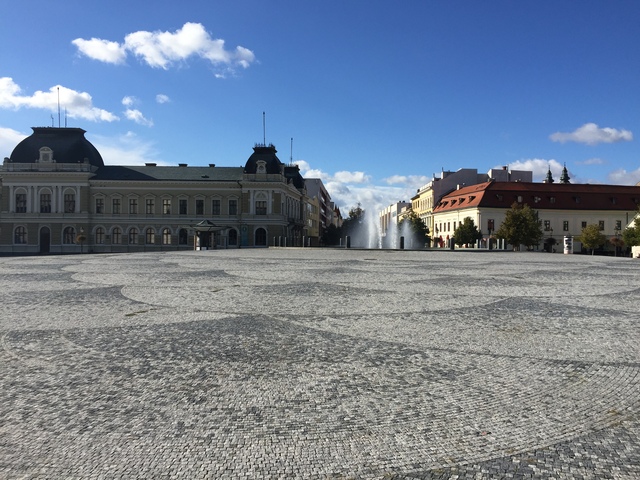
319	364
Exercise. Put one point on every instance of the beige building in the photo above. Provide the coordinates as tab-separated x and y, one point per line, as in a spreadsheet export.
428	196
59	197
563	209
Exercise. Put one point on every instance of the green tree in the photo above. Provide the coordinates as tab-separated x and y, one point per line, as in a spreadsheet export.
521	226
331	235
591	237
353	223
467	233
417	227
631	235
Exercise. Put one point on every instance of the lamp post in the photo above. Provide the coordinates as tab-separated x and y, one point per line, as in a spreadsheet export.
616	231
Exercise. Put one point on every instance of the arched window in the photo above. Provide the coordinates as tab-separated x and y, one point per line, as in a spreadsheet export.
69	236
261	237
166	236
150	236
45	202
21	202
133	236
183	236
233	237
116	235
20	235
69	201
99	235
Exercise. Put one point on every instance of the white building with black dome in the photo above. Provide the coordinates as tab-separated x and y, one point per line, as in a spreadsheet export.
58	196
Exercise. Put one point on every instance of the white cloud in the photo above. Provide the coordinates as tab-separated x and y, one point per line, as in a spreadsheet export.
138	117
351	177
162	98
539	167
347	189
126	149
415	180
9	138
592	161
623	177
102	50
165	49
76	104
591	134
129	101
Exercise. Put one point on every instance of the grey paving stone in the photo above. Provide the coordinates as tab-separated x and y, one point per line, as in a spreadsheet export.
319	364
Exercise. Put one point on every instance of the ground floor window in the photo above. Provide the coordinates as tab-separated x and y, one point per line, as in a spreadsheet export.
20	235
133	236
116	236
150	236
166	236
99	235
69	236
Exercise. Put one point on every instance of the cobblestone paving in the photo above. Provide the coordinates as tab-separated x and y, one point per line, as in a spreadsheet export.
316	364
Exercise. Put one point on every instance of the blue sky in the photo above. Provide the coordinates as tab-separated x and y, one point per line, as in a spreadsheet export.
377	95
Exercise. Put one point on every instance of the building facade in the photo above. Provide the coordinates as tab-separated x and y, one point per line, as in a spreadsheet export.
429	195
57	196
563	209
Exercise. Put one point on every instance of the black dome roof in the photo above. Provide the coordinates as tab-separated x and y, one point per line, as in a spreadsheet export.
68	146
266	153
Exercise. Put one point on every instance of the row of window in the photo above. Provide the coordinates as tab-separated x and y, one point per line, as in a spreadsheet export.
183	206
446	226
117	236
45	203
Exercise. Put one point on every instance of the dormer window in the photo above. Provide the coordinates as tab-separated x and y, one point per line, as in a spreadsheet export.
261	166
46	155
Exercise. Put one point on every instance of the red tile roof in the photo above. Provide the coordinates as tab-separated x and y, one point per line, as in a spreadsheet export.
571	196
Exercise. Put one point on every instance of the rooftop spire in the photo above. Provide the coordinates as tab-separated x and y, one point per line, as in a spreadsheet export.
549	178
564	178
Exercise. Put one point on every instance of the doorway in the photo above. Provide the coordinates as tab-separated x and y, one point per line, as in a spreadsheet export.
45	240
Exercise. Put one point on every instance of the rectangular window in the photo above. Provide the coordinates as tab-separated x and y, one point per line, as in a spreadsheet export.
150	207
565	226
547	225
99	205
215	206
199	206
45	203
618	225
233	206
166	206
584	224
21	203
261	207
491	225
133	206
183	206
69	203
601	225
115	205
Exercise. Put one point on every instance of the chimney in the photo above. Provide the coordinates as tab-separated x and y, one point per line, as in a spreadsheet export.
150	164
182	164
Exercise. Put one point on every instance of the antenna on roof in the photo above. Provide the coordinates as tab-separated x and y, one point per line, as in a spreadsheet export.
58	107
65	117
264	130
53	124
291	157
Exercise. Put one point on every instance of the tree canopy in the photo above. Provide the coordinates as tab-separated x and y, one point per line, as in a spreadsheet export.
631	235
417	227
466	233
521	226
591	237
